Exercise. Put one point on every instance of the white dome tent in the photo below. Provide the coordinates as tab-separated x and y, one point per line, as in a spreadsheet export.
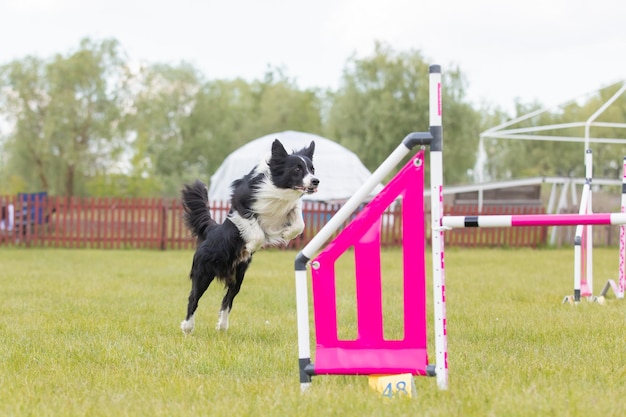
339	170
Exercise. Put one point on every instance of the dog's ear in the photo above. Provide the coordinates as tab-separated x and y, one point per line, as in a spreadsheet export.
278	150
308	152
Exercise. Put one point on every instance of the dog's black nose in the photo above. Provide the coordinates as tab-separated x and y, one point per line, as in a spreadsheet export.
315	182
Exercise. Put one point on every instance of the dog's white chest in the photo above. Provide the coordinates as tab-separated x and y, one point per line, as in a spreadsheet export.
279	213
277	217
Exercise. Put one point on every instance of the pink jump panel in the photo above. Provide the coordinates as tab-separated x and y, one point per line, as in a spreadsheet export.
371	353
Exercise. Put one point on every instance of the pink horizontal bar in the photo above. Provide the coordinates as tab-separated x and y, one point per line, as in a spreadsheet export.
560	219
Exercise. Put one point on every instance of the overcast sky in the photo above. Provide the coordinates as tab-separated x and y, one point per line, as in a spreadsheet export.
545	50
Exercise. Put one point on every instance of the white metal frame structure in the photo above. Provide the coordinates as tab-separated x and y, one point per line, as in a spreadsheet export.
508	131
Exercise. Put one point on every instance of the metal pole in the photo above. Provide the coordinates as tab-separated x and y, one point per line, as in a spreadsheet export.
622	240
437	241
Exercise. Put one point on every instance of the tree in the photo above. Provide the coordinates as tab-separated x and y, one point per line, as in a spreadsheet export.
185	127
68	115
384	97
231	113
166	144
23	102
280	105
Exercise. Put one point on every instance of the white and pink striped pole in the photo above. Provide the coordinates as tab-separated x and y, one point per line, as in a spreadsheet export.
620	287
583	239
436	209
522	220
622	240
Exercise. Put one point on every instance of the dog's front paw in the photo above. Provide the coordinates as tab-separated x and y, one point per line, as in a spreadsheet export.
291	233
293	228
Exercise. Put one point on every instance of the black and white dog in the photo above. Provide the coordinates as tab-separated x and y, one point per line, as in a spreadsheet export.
266	209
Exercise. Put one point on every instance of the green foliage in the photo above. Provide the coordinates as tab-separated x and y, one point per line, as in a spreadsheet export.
68	115
186	127
384	97
379	102
122	185
90	123
95	333
12	184
163	105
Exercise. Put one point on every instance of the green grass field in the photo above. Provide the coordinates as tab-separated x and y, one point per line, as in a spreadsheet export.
95	333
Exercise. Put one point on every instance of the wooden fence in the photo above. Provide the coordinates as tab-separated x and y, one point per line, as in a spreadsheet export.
156	223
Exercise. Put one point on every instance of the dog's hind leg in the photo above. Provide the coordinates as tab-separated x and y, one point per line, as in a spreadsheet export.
231	293
199	285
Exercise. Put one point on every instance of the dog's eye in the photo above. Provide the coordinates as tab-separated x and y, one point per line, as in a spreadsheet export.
297	169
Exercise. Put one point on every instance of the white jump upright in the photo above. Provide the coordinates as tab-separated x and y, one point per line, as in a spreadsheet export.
437	241
583	240
620	287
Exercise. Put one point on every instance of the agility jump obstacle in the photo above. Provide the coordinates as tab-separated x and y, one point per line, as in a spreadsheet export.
370	353
583	240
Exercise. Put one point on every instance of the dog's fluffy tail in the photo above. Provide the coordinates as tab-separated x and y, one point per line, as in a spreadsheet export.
196	214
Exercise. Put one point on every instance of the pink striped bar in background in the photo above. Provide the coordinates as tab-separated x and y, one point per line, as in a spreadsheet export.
533	220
